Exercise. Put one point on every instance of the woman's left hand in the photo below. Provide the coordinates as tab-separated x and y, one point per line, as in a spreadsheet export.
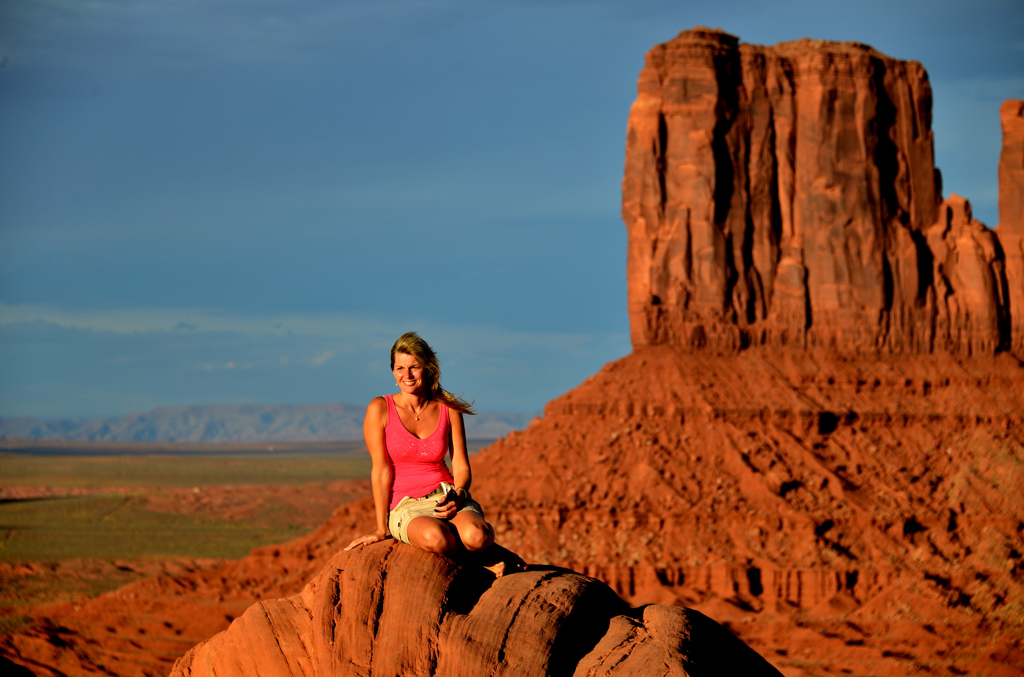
376	537
449	507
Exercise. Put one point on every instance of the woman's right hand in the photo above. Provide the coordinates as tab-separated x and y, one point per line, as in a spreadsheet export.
375	537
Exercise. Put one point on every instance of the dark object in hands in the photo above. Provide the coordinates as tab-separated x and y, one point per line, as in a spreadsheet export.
449	494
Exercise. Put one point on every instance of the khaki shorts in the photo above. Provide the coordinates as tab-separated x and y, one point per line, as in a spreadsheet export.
408	509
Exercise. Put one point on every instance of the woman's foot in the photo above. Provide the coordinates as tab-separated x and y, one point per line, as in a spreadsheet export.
500	561
498	569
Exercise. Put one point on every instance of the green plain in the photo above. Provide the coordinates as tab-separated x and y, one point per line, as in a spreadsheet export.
178	471
118	526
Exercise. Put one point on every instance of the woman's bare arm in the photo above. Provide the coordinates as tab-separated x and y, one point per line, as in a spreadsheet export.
461	472
380	473
462	475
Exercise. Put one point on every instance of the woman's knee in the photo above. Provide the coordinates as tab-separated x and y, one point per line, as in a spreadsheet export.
477	536
437	539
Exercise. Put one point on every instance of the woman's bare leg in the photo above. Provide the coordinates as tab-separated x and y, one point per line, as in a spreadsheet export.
478	538
432	535
474	532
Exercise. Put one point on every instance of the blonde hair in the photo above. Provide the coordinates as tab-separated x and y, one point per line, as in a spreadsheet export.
410	343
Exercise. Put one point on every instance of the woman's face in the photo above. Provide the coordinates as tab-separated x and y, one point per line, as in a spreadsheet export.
409	374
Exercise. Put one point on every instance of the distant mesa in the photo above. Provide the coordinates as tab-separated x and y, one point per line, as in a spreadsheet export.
234	423
391	609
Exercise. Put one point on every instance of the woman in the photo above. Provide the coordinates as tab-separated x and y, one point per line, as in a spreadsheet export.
416	498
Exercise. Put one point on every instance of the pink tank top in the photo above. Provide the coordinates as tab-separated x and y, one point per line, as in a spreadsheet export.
417	466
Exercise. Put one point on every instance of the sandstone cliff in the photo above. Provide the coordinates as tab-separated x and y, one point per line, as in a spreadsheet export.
787	195
396	610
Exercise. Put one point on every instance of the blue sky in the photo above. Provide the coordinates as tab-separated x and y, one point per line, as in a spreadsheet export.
217	201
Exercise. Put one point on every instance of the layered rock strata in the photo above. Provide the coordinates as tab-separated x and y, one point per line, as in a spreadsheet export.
860	516
787	195
391	609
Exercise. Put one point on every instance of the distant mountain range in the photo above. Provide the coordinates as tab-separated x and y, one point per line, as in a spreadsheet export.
234	423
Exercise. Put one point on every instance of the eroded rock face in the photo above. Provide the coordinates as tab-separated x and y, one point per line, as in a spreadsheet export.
970	287
781	195
390	609
860	515
1011	168
1011	214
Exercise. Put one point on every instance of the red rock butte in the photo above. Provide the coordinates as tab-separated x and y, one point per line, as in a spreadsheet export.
788	196
818	439
819	436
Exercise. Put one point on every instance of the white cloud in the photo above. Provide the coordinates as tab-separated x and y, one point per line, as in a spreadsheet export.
224	366
352	331
322	359
135	320
52	359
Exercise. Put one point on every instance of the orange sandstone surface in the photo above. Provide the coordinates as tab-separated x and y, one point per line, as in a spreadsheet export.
818	440
394	610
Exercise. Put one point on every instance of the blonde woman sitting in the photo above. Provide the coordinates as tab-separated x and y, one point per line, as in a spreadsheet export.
417	499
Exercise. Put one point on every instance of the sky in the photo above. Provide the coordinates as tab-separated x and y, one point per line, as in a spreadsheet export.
227	201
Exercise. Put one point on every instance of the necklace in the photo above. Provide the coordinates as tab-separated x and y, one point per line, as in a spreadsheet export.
423	409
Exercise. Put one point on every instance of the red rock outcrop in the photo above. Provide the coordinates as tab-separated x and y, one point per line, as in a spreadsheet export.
799	436
781	195
970	286
1011	213
394	610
